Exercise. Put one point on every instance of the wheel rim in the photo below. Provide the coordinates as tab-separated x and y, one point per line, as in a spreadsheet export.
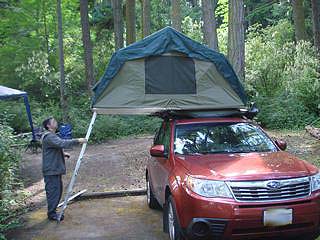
171	222
148	192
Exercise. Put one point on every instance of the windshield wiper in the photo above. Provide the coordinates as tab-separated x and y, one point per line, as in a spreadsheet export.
210	152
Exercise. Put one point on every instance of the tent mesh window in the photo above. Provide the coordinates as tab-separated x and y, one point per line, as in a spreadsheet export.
170	75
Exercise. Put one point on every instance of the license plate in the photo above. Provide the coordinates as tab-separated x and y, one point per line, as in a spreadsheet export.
277	217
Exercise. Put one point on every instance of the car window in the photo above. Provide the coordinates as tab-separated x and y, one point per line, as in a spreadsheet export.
166	138
205	138
163	137
158	137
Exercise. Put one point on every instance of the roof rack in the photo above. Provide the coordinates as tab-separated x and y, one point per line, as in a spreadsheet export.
249	113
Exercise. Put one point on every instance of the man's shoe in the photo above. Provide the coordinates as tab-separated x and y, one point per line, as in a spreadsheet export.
55	217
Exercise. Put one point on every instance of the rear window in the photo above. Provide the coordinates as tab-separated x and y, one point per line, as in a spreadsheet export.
210	138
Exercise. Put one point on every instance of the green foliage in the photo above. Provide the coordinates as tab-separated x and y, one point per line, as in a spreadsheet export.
282	77
283	112
301	76
9	181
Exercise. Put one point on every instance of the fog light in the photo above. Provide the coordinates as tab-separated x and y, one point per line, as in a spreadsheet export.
200	229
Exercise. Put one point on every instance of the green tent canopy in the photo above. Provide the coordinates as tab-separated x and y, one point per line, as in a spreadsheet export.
167	71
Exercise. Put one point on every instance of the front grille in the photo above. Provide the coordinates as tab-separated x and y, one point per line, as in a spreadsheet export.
262	190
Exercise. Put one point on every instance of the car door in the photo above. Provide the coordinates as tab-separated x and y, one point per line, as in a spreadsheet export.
163	163
154	165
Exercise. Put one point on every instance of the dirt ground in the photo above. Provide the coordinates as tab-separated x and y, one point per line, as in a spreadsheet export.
113	165
109	166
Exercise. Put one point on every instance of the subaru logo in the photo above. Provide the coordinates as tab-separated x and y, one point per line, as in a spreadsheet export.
274	185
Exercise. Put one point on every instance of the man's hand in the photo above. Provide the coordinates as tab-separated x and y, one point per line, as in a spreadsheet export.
66	155
82	140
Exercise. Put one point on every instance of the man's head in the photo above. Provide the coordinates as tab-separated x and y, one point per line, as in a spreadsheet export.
50	124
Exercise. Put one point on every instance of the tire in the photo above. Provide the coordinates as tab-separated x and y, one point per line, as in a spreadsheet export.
172	222
151	200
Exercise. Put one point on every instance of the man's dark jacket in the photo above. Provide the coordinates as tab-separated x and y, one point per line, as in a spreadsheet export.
53	162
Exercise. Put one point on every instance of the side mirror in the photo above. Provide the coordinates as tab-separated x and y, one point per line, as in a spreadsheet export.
157	151
281	144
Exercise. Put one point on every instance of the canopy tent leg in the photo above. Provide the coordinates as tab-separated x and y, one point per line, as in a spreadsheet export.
26	103
76	169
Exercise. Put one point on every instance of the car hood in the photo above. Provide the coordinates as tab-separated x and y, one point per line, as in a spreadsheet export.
246	166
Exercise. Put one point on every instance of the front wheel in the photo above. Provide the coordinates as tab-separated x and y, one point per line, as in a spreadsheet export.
172	221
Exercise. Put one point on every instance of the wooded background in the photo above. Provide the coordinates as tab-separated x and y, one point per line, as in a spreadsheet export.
57	50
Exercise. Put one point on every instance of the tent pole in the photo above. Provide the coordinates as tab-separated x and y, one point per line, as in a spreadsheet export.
26	103
76	169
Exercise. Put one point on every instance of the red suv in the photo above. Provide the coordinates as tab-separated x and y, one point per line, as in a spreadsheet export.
225	178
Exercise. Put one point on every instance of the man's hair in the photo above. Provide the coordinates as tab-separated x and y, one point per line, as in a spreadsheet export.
46	122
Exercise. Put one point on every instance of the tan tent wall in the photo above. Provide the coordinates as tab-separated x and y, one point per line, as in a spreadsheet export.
125	94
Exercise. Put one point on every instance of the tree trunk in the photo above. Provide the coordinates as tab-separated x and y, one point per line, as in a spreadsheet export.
130	21
63	97
146	16
118	23
316	23
46	33
209	23
299	20
86	40
236	49
176	15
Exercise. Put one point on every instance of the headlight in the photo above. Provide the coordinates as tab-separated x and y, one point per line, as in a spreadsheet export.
315	182
208	188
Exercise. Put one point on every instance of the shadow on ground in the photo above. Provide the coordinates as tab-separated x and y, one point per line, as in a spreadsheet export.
112	218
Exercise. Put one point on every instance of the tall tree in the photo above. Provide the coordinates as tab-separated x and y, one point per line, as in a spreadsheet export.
176	14
63	96
86	40
46	32
146	16
316	23
209	23
299	20
236	49
117	23
130	21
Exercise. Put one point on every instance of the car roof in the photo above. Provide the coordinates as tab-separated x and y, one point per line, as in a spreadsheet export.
210	120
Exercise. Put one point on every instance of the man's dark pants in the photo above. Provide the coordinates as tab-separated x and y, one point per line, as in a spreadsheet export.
53	186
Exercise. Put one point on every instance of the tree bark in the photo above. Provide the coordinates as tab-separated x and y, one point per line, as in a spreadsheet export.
299	20
63	97
130	21
236	47
146	16
86	40
316	23
209	23
46	33
176	14
117	23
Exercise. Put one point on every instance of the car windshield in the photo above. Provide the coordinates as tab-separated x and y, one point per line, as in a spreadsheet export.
209	138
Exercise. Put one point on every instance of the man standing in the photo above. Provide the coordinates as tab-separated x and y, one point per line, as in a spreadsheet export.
53	164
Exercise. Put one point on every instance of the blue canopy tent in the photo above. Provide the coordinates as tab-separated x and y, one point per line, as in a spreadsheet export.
10	93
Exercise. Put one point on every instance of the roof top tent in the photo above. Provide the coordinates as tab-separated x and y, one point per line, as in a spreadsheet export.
10	93
164	72
167	71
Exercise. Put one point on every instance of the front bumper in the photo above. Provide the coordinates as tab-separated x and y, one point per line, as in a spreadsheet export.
226	219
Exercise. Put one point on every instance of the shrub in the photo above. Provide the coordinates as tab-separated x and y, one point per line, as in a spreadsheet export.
283	112
282	77
9	181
